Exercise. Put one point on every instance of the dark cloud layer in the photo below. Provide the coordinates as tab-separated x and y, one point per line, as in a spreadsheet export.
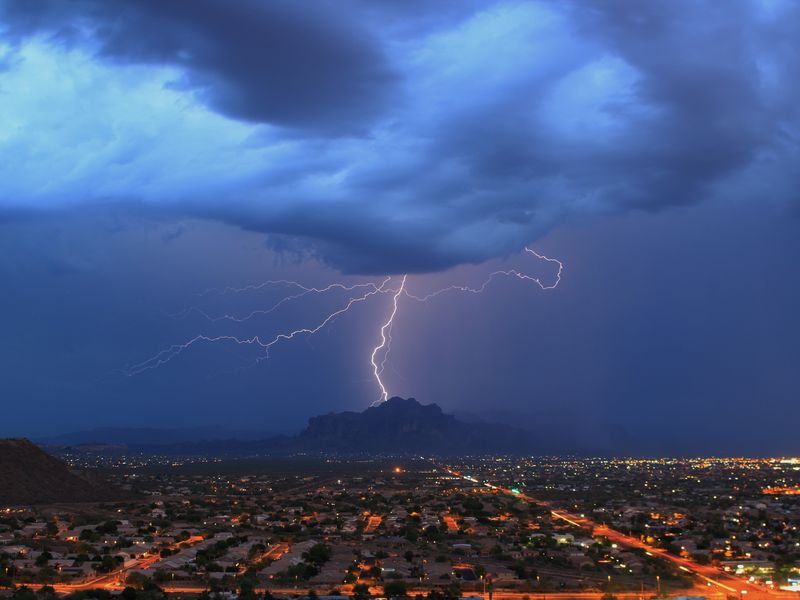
416	136
259	61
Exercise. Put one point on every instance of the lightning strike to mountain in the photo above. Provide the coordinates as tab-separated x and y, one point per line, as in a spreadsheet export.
386	342
373	289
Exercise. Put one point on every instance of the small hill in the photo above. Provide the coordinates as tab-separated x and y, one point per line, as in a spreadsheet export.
28	475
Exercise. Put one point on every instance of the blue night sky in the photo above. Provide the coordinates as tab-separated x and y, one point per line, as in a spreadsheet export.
154	152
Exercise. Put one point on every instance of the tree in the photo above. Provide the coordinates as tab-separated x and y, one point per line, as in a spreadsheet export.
246	584
24	593
396	588
161	576
128	593
47	575
88	535
360	591
107	563
453	590
47	592
520	570
107	527
137	580
318	554
42	559
432	533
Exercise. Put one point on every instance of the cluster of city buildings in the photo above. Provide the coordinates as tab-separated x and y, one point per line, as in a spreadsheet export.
469	526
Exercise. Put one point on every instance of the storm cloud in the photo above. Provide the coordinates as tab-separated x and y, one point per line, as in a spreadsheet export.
388	137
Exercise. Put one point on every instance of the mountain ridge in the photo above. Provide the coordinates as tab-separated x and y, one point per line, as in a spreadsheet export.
397	426
405	426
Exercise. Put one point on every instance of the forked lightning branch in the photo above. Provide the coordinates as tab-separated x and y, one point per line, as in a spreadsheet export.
394	286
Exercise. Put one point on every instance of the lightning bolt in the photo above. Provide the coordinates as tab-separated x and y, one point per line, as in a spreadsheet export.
168	354
265	311
506	273
386	330
368	290
386	341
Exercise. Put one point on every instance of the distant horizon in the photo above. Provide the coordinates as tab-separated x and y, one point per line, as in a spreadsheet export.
149	435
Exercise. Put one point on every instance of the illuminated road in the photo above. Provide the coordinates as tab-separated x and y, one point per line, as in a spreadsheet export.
276	551
711	576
